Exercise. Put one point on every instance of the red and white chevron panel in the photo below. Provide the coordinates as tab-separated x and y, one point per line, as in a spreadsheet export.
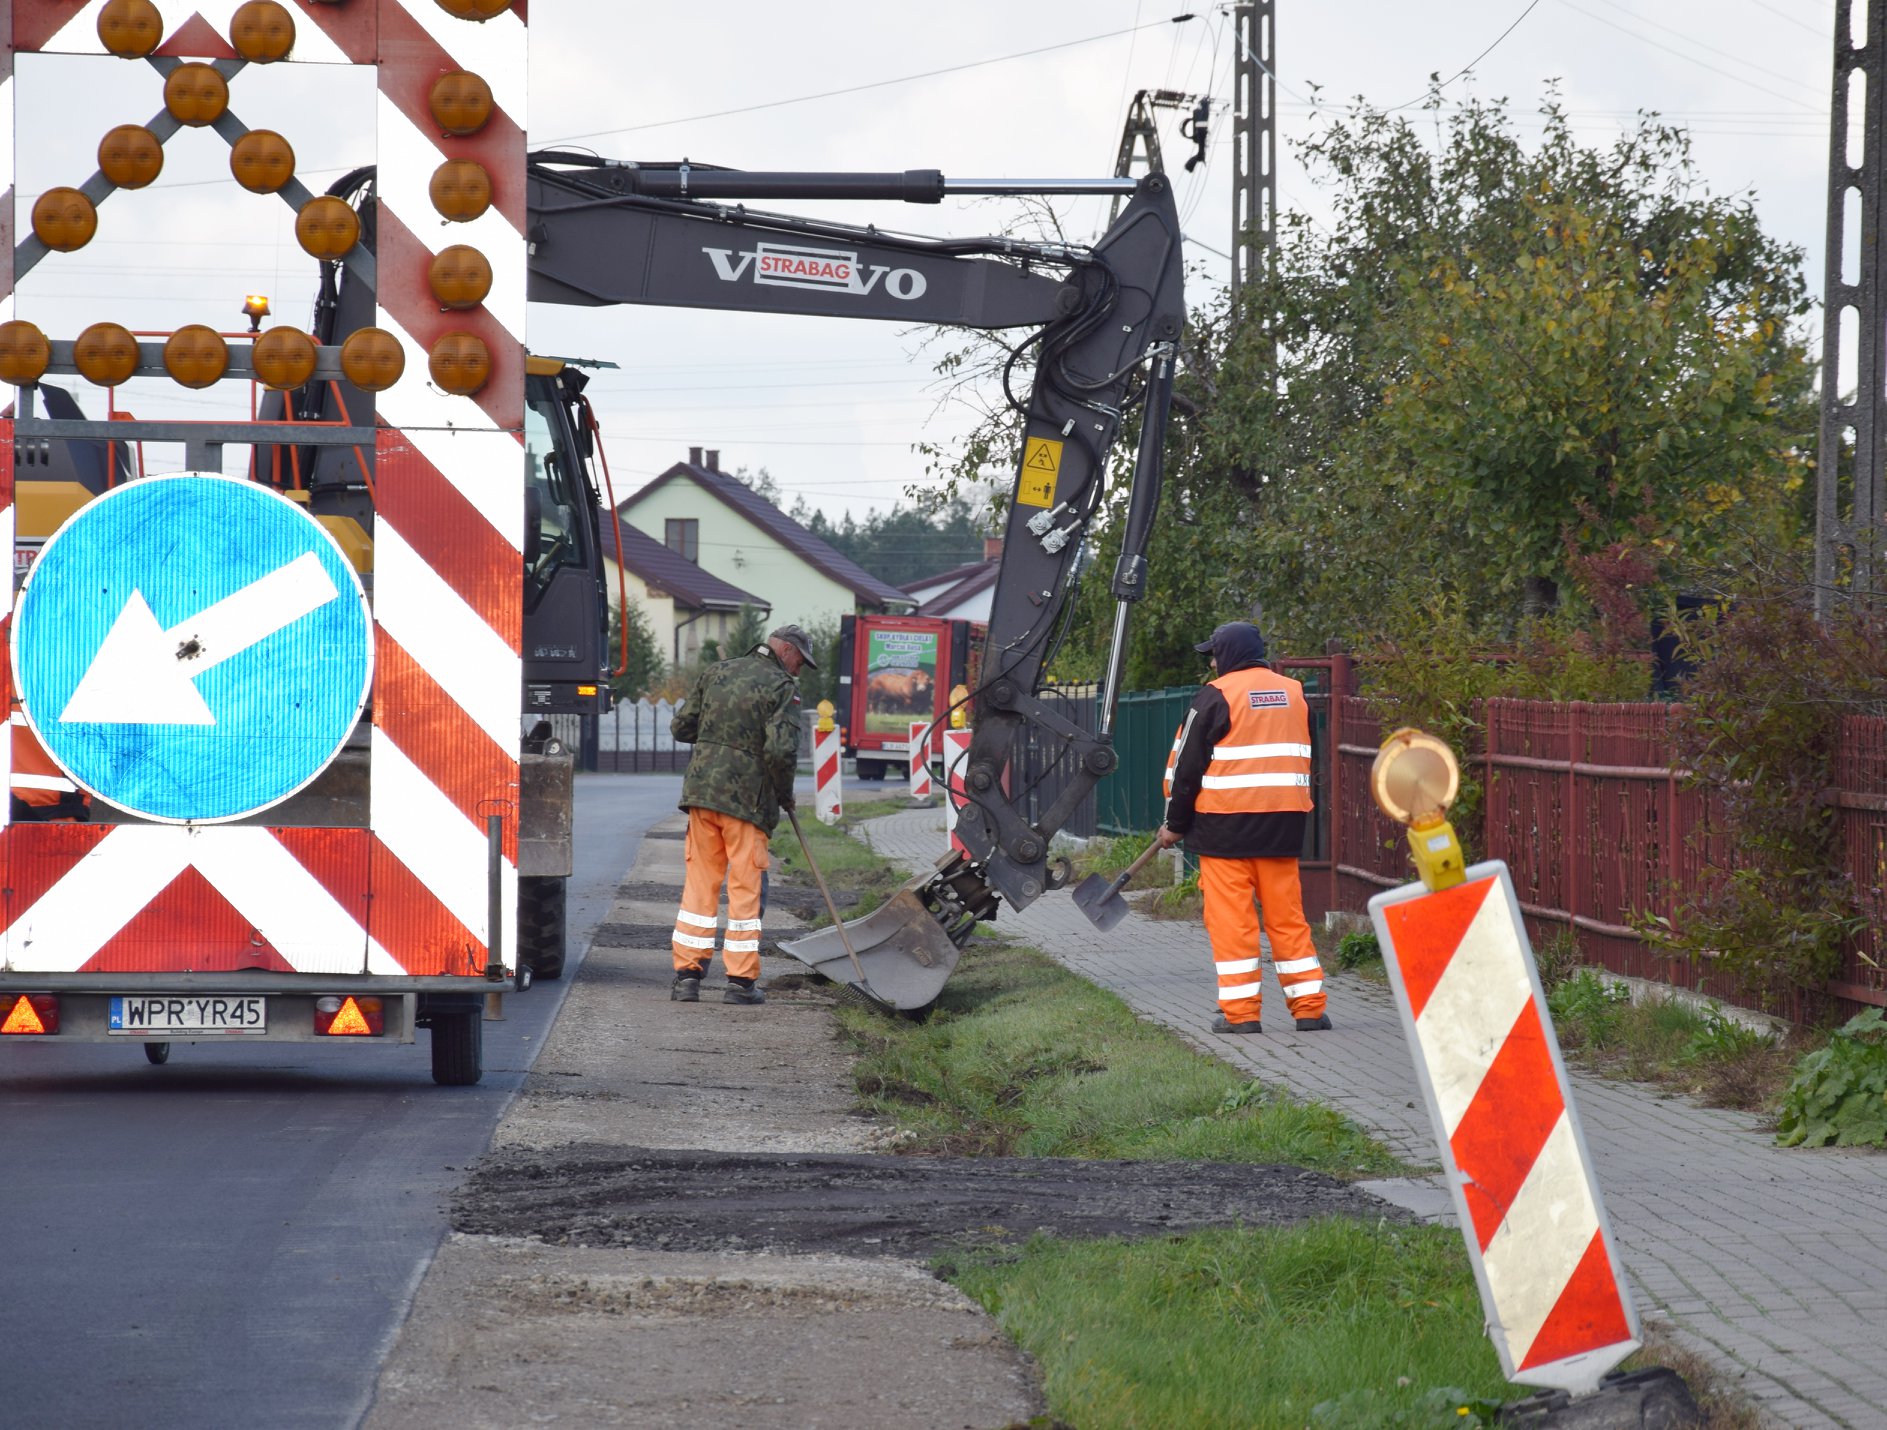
1525	1191
410	893
956	760
827	786
917	753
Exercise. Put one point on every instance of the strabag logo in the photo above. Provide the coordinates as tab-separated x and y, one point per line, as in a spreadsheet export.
780	265
1268	699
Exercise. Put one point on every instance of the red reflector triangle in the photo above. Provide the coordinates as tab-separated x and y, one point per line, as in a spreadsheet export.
350	1020
23	1019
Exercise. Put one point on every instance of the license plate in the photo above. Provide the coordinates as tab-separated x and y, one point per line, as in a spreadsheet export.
144	1015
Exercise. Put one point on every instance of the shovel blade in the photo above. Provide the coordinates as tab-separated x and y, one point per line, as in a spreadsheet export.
1100	901
904	953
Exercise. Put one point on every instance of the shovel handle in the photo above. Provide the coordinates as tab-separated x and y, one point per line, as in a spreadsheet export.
1120	879
831	907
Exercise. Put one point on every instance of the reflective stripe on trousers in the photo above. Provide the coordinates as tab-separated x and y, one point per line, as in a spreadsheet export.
721	848
1235	890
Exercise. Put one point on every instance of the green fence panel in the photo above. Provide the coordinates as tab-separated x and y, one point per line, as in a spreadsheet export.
1131	800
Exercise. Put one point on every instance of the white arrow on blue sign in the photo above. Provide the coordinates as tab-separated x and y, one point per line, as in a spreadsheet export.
192	648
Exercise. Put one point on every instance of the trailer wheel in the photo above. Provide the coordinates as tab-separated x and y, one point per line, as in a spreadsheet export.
871	769
157	1053
458	1047
541	926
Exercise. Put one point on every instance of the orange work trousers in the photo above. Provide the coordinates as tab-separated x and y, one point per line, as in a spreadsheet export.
1235	890
721	847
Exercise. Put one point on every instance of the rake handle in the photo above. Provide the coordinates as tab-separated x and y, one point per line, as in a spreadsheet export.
831	907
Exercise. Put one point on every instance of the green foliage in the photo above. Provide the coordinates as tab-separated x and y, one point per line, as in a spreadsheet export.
906	544
1357	948
1556	956
1722	1039
1334	1323
646	666
1024	1058
749	629
1588	1010
1839	1094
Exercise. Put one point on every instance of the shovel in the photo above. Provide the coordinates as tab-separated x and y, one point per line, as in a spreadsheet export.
863	985
1100	901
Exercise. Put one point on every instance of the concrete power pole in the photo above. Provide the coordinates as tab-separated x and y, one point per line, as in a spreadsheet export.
1849	485
1255	143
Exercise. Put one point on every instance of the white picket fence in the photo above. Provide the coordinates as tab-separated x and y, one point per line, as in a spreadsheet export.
637	736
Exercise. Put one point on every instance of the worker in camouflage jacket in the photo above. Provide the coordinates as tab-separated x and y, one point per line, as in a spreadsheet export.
742	717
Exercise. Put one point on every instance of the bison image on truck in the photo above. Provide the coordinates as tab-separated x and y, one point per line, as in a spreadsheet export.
893	670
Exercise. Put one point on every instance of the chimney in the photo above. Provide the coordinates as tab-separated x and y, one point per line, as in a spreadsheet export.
694	456
714	459
992	548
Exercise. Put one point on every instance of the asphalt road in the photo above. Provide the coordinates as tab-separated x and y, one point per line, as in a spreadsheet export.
233	1239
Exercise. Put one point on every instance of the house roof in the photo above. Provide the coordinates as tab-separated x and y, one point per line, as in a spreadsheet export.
975	580
670	571
783	529
937	581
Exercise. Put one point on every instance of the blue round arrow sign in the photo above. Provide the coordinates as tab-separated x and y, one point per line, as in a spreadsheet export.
192	648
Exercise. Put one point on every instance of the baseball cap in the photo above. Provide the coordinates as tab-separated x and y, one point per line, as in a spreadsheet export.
1244	632
796	637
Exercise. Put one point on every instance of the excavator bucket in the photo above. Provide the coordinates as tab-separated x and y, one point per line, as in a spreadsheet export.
902	950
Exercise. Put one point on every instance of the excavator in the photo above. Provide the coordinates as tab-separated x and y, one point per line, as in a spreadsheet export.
1102	322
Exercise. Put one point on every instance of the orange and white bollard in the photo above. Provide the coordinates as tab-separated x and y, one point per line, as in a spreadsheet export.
828	745
956	757
918	753
1525	1193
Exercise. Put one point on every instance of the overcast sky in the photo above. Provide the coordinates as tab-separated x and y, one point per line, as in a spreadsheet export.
831	407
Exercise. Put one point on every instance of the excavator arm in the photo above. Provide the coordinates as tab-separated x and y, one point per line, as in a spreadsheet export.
1107	321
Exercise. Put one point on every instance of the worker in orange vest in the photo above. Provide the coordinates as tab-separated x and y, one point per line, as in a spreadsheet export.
1238	793
40	789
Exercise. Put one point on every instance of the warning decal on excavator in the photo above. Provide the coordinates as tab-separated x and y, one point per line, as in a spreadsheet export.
1041	464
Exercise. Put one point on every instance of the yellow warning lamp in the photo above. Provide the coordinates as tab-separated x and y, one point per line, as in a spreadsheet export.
130	29
460	190
460	277
372	359
262	31
460	363
1415	779
461	103
255	307
196	356
959	706
106	354
64	220
262	161
195	94
130	156
24	353
327	228
33	1015
824	724
283	358
480	10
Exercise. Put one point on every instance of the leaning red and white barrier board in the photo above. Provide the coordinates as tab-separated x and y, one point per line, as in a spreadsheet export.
1523	1183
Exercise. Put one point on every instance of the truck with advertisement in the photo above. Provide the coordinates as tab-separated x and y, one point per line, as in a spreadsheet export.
896	669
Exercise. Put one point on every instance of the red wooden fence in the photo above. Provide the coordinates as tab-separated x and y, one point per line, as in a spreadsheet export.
1599	829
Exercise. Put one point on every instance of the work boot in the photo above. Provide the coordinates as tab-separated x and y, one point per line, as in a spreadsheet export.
742	993
1220	1025
685	989
1314	1025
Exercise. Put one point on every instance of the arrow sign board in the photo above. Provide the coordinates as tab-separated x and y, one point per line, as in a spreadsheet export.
192	648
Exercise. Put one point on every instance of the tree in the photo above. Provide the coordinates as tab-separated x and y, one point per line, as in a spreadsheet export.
748	630
646	667
906	544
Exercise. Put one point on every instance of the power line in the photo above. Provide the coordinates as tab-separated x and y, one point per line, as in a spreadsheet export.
1792	19
1726	54
874	84
1702	64
1471	63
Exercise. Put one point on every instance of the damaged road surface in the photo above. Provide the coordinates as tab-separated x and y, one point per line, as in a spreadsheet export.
872	1205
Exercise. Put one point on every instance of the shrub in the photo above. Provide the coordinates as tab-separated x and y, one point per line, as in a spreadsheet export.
1357	948
1588	1011
1556	958
1839	1094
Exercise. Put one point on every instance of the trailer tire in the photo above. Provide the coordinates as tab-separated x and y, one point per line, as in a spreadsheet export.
157	1053
541	906
871	769
458	1047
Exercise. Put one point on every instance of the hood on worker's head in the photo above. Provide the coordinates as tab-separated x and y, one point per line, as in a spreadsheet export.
1236	645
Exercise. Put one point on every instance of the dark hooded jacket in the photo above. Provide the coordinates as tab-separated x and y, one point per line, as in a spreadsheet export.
1275	834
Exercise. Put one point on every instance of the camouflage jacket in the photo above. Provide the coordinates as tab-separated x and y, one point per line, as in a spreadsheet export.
742	717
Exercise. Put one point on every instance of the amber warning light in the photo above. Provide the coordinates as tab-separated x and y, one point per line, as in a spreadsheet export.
1415	779
32	1015
350	1017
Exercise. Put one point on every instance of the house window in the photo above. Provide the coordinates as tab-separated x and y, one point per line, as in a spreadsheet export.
684	538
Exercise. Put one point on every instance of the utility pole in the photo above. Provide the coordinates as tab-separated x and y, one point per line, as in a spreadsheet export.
1255	142
1850	493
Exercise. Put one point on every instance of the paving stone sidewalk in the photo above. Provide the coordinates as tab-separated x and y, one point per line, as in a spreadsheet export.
1772	1263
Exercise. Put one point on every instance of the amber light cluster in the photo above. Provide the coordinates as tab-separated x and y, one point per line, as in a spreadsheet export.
263	162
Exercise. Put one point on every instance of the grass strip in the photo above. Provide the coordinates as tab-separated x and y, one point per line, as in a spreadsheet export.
1332	1323
1023	1058
849	867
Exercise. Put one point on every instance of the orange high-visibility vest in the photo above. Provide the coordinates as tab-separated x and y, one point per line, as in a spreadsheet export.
36	780
1262	763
